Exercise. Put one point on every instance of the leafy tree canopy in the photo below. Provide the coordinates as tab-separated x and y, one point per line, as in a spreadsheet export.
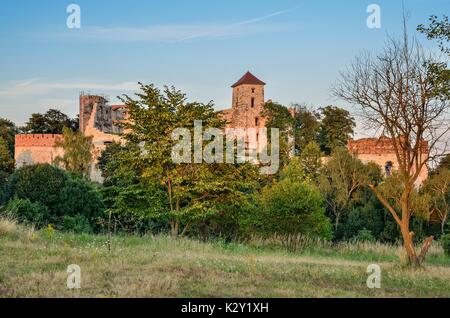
52	122
336	128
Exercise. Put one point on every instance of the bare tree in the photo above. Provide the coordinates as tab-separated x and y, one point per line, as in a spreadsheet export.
399	93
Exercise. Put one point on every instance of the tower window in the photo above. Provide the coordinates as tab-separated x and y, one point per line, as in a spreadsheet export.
257	121
253	90
253	102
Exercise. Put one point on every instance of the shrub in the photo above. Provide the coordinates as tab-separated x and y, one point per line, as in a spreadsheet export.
26	211
363	235
79	203
77	224
40	183
445	241
139	207
292	208
49	195
3	186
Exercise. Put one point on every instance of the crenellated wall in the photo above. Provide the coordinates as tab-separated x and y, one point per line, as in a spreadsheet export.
36	148
381	151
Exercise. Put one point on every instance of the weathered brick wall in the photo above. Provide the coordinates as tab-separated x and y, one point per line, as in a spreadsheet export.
100	138
380	150
36	148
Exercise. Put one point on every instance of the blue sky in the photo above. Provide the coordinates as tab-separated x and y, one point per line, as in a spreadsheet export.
201	47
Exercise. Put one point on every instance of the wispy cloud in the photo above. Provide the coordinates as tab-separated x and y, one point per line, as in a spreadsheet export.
172	33
36	87
231	28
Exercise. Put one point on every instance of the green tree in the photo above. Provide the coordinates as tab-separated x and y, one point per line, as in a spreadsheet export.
306	127
279	116
289	207
6	160
8	131
437	187
438	30
295	170
44	194
341	180
195	191
107	162
52	122
41	183
80	206
336	127
140	207
438	71
311	158
78	148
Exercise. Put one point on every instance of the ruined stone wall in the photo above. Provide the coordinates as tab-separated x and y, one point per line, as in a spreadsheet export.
98	123
36	148
381	151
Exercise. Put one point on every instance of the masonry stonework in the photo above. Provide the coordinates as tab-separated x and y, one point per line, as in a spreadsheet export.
381	151
36	148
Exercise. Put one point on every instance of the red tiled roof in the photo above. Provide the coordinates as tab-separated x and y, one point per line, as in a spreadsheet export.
249	78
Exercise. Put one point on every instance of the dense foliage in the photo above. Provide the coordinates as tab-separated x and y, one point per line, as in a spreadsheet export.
43	194
52	122
144	191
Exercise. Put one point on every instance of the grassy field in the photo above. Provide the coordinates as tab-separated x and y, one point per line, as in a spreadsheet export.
34	264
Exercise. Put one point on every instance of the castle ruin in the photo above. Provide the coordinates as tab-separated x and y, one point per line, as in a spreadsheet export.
99	120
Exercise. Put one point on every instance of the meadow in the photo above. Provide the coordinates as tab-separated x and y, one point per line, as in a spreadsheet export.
34	264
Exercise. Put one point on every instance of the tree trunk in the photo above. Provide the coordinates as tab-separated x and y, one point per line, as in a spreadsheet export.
425	248
408	243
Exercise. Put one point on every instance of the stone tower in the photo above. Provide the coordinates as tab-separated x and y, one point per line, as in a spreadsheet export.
248	102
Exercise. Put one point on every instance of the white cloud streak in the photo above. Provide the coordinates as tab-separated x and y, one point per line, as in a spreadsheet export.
171	33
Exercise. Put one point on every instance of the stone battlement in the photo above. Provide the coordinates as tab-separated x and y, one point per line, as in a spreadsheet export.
37	140
376	146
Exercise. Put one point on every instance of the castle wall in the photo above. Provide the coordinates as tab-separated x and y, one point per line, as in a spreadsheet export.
381	151
36	148
98	122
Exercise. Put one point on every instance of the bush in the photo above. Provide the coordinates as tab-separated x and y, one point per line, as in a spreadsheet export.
138	208
292	208
26	211
79	202
3	186
41	183
76	224
445	241
44	194
363	235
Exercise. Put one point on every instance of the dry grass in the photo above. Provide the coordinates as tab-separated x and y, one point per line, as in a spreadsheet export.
10	228
163	267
